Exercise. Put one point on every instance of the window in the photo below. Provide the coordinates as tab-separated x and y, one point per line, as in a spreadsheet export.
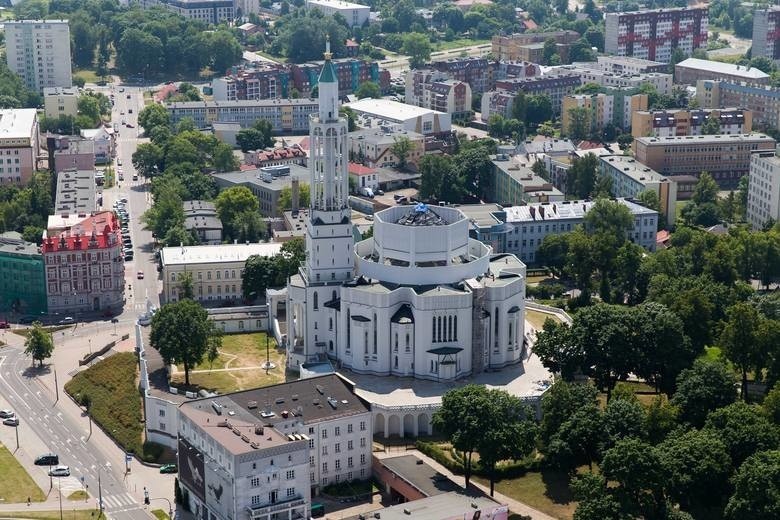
337	448
362	442
311	444
162	413
338	431
324	450
311	461
290	492
324	433
338	464
324	467
255	482
362	458
349	462
349	428
349	445
290	474
362	426
255	500
315	301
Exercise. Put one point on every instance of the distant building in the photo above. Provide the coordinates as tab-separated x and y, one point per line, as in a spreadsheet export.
355	14
603	109
692	70
60	101
268	81
530	46
68	153
766	33
265	183
275	157
374	147
200	218
655	34
85	270
351	73
217	270
630	178
476	71
19	143
516	184
76	192
22	278
590	72
376	113
285	115
629	65
763	203
38	51
556	86
210	12
434	90
105	142
363	176
662	123
763	100
725	157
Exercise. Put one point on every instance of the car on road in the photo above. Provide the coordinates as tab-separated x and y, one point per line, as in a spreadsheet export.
47	459
67	320
123	200
5	414
121	112
144	320
60	471
140	275
121	177
129	125
11	421
119	162
128	257
169	468
135	176
128	96
4	324
26	320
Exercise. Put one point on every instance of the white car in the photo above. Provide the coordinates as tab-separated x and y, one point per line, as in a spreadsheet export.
144	320
5	414
11	421
60	471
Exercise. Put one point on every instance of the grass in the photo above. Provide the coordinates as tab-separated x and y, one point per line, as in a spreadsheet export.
679	208
539	278
115	401
349	489
456	44
15	483
88	75
55	328
548	491
240	350
78	495
537	319
160	514
78	514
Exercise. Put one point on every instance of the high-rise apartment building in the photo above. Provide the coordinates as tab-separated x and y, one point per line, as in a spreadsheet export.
655	34
38	51
763	203
766	32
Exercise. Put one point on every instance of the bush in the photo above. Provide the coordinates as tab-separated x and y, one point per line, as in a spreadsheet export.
504	470
545	291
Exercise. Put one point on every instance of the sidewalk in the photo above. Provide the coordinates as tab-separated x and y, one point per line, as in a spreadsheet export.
514	506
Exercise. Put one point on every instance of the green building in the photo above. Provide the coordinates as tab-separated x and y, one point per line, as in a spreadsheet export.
22	277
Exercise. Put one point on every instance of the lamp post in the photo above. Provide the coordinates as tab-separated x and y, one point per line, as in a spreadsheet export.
59	484
170	506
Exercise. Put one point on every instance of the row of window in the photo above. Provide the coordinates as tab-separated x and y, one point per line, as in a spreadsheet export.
229	274
337	430
337	463
337	446
324	482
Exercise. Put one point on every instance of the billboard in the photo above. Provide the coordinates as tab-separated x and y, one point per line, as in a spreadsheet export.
191	472
219	491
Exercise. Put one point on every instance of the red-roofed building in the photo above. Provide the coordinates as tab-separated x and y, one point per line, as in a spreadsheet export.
352	47
364	176
288	155
165	91
529	25
84	264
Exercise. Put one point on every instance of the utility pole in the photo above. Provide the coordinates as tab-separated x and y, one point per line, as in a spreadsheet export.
17	436
59	482
100	494
56	386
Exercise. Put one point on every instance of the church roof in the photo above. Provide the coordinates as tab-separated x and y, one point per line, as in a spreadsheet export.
444	351
328	73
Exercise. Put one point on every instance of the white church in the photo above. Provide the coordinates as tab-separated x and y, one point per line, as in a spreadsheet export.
419	299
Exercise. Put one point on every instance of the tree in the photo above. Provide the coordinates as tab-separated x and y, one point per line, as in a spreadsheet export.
744	429
560	402
39	344
223	158
578	440
400	148
539	109
225	50
139	52
740	340
148	159
250	139
285	197
711	126
183	333
636	467
579	123
771	404
550	51
185	284
417	47
368	89
581	176
660	419
259	274
153	116
624	419
756	488
558	351
706	386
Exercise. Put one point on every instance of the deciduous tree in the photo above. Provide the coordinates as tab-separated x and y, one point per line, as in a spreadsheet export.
39	344
756	488
706	386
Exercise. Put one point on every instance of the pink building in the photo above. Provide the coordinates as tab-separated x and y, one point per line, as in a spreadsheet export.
19	145
85	270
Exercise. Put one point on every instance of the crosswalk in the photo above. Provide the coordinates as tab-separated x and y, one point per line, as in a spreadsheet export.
125	500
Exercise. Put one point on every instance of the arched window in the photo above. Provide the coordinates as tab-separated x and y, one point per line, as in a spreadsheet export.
349	329
449	328
365	342
433	329
315	301
396	362
375	334
330	323
455	328
407	342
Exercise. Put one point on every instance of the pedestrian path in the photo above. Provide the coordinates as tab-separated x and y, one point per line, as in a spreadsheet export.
112	502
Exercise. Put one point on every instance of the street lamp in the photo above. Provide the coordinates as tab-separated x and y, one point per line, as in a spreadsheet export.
170	506
100	488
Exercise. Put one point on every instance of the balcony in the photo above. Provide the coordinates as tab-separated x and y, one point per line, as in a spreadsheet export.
266	511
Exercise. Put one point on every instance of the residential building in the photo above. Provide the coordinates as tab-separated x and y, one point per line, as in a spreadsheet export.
226	132
763	100
447	506
766	33
520	230
662	123
266	184
434	90
200	218
68	153
692	70
530	46
76	192
604	109
476	71
85	270
19	145
351	73
556	86
285	115
630	178
267	81
22	277
355	14
374	147
363	176
629	65
655	34
725	157
210	12
378	113
60	101
38	51
277	156
217	270
590	72
105	142
516	184
763	201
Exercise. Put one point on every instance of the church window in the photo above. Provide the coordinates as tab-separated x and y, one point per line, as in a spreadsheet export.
330	323
349	329
396	361
407	342
455	328
396	342
375	334
433	329
315	301
449	328
365	342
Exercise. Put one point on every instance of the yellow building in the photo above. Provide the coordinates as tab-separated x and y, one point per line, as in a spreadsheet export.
663	123
616	108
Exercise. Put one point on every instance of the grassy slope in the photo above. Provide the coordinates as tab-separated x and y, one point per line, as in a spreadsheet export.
15	483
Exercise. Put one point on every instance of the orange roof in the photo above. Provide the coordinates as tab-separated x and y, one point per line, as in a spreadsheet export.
360	170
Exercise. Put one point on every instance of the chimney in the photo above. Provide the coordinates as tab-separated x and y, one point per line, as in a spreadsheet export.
295	195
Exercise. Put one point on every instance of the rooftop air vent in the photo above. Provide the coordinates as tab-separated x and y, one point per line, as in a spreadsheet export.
320	390
251	405
217	407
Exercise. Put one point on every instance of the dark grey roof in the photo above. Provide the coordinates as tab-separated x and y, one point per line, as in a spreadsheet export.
421	215
403	314
422	476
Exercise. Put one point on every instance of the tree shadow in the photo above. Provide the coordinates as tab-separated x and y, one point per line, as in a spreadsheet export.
36	371
556	485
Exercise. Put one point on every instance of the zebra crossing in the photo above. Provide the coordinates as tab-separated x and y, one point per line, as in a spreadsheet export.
125	500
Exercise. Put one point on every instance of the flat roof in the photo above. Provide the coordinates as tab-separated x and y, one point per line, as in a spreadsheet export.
419	475
216	253
698	139
255	177
379	136
575	209
338	4
17	123
445	505
60	91
630	167
239	103
482	215
388	109
12	242
719	67
76	192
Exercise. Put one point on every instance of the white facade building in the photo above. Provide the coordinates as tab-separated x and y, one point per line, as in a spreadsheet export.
59	101
38	51
355	14
377	113
763	204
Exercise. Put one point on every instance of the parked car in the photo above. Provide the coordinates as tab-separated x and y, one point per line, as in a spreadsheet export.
26	320
128	257
60	471
67	320
11	421
47	459
140	275
144	320
130	125
169	468
4	324
5	414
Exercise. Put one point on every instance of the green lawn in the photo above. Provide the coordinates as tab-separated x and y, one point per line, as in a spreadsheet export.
116	402
160	514
15	483
457	43
78	495
241	350
78	514
89	76
55	328
548	491
679	207
537	319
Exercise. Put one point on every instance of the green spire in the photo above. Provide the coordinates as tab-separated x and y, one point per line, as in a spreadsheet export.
327	75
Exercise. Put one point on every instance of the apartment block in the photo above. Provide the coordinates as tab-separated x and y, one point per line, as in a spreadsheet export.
530	46
725	157
604	109
476	71
766	32
266	82
689	71
374	147
435	90
200	218
591	73
60	101
655	34
207	11
763	100
22	278
517	184
355	14
19	145
38	51
763	204
350	72
629	65
556	86
285	115
76	192
663	123
630	178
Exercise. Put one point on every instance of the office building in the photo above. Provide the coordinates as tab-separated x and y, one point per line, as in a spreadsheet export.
763	203
355	14
266	183
763	100
516	184
216	270
628	65
70	153
200	218
374	147
630	178
530	46
556	86
38	51
276	157
603	109
663	123
268	81
210	12
85	270
692	70
655	34
285	115
60	101
766	33
19	145
377	113
435	90
22	277
725	157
